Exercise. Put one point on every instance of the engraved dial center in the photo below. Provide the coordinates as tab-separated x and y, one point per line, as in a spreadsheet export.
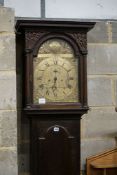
55	82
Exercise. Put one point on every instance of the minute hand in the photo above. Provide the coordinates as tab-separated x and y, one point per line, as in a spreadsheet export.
54	87
55	80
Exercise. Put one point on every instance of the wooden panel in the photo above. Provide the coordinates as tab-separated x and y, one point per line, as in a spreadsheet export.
111	171
55	148
105	163
96	171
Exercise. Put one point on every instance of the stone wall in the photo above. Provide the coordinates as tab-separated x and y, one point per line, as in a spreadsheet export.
99	126
8	112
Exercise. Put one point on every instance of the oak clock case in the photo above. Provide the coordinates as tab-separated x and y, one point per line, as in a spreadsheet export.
54	91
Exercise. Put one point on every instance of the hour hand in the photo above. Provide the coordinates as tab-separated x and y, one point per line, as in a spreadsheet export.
54	87
55	79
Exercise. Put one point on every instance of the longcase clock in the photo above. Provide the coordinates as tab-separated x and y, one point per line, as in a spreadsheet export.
54	91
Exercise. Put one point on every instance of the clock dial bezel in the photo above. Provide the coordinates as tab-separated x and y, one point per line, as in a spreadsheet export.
55	73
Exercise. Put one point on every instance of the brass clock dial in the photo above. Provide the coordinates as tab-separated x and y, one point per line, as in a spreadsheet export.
55	73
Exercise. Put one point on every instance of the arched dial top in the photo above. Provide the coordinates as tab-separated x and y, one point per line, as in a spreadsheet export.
55	73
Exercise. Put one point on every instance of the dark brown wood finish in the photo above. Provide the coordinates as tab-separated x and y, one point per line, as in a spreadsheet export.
55	151
55	127
36	32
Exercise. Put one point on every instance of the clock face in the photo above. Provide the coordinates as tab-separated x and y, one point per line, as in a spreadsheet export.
55	73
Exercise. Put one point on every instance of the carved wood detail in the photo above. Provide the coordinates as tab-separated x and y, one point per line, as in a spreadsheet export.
81	40
32	38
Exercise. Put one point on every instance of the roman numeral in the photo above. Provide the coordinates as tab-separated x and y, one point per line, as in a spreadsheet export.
55	62
47	64
71	78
